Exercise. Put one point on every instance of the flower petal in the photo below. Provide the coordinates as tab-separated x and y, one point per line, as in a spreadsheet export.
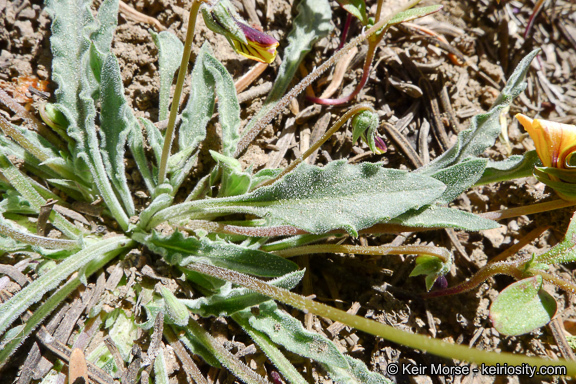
541	140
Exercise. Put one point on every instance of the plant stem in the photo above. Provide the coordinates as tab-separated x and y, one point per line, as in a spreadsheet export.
178	91
345	30
527	209
372	45
282	103
353	111
563	284
489	270
421	342
383	250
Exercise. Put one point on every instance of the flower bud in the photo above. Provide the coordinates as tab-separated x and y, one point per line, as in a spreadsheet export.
247	41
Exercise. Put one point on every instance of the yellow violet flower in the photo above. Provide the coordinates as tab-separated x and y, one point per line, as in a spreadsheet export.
555	142
222	18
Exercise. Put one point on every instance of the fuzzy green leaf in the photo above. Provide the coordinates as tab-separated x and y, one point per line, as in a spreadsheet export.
413	13
116	118
522	307
312	23
318	200
356	8
178	250
231	300
289	332
234	181
513	167
170	51
485	127
176	311
435	216
459	177
160	369
357	374
32	293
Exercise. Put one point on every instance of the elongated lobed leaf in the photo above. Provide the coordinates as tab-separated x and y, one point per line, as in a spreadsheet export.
288	332
485	127
178	250
514	167
318	200
442	217
116	118
231	300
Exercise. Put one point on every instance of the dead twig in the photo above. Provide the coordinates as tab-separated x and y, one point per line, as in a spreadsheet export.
139	17
403	144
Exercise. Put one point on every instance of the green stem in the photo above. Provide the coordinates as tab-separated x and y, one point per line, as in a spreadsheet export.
563	284
382	250
178	91
489	270
353	111
421	342
267	117
527	209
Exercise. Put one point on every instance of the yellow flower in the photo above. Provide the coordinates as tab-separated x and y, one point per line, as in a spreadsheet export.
555	142
261	47
222	18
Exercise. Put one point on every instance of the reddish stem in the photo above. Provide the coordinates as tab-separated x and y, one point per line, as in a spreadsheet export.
345	30
501	268
361	84
532	18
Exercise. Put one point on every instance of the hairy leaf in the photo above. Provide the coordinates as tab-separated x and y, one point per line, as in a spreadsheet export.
32	293
356	8
459	177
318	200
178	250
357	374
485	127
288	332
435	216
231	300
115	117
522	307
170	51
513	167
